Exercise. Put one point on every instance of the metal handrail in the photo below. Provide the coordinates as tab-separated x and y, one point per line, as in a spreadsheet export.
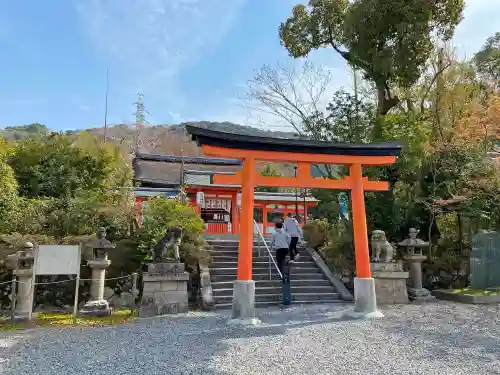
270	254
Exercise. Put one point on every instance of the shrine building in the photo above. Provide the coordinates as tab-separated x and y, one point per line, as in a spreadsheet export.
163	176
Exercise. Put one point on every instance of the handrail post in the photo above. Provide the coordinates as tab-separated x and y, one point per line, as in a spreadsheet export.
270	270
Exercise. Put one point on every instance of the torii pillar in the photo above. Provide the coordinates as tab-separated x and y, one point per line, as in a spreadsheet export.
244	286
365	300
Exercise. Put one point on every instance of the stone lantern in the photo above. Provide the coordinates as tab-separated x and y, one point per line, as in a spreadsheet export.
415	257
22	264
98	306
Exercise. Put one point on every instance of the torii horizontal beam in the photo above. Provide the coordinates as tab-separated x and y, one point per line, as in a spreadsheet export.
310	182
299	157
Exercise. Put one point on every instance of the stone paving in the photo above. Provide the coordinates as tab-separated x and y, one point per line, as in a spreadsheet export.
437	338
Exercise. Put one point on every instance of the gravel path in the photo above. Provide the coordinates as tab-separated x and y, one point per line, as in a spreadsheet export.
438	338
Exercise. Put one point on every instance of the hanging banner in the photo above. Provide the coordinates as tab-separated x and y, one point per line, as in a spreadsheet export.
344	205
238	199
200	199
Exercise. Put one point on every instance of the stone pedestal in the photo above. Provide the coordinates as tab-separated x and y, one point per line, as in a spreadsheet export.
365	301
244	303
417	292
97	306
23	295
390	283
164	290
206	293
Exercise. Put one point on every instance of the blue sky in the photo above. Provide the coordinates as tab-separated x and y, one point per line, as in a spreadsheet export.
190	58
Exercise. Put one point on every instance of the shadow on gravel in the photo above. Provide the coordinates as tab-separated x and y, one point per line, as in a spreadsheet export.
450	335
167	345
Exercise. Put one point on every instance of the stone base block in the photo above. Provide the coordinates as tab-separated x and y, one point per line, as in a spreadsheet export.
365	300
206	297
245	322
96	308
165	290
170	267
363	315
244	300
23	317
390	283
420	295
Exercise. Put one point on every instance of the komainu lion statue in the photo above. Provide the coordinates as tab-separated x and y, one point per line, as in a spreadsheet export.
382	250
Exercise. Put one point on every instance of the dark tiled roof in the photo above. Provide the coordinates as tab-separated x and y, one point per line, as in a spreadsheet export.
187	159
170	173
246	142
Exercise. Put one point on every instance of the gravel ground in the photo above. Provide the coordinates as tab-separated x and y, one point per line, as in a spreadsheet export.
437	338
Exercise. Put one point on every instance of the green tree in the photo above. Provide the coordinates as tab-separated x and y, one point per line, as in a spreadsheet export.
58	165
270	171
390	41
31	131
487	61
8	191
348	119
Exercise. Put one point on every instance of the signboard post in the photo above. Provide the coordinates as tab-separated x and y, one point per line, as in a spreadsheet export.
77	286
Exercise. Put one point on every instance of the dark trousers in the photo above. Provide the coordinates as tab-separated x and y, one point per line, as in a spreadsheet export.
280	258
293	247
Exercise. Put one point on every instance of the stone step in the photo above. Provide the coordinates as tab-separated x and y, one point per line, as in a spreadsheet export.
275	283
255	252
265	276
296	270
234	247
278	297
234	253
228	306
259	290
265	264
218	259
234	239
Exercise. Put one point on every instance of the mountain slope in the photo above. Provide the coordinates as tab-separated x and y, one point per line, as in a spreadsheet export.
161	139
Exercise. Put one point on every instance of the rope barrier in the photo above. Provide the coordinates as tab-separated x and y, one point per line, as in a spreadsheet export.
73	279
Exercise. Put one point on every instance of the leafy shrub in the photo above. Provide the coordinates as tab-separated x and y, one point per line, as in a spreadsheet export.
334	242
162	214
316	233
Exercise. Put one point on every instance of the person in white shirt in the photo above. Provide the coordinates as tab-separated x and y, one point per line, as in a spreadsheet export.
293	229
280	241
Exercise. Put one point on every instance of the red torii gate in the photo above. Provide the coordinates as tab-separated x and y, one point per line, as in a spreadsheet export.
304	153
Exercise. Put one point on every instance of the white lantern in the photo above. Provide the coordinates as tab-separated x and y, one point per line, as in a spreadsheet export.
200	199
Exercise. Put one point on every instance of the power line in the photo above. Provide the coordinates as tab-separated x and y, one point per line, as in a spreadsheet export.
106	108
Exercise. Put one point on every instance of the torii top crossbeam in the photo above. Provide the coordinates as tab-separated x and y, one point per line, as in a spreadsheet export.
304	153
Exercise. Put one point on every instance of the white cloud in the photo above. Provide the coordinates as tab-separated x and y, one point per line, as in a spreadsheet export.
480	22
153	41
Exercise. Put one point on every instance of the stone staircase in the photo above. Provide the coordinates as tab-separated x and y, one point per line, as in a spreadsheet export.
309	284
